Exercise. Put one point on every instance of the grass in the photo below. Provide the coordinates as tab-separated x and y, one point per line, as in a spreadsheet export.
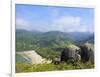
24	67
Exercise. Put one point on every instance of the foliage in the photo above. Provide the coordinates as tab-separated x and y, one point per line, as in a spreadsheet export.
49	45
24	67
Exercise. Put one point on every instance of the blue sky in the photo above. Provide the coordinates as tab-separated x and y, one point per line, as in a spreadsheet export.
51	18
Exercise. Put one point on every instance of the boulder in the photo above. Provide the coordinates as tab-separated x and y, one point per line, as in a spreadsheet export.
56	61
87	52
71	52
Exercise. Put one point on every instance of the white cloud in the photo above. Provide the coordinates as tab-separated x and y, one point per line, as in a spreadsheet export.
68	21
70	24
23	24
78	29
62	23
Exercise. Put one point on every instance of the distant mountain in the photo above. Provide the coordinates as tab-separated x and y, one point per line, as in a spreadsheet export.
49	44
55	38
52	38
78	36
22	31
89	39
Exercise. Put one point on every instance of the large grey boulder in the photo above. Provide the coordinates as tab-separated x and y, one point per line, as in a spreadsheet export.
87	52
71	52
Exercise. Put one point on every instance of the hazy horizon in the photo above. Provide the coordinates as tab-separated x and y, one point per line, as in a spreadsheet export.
56	31
52	18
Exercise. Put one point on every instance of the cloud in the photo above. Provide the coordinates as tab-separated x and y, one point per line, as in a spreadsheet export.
23	24
66	23
71	24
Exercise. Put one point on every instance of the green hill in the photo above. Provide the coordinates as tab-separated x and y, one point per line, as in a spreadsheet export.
48	44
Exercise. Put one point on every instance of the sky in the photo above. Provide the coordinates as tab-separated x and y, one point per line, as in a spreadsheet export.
54	18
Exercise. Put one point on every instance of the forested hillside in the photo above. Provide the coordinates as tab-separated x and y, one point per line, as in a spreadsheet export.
49	44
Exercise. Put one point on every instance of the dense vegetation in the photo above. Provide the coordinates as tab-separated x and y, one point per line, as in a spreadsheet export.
49	45
24	67
46	44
